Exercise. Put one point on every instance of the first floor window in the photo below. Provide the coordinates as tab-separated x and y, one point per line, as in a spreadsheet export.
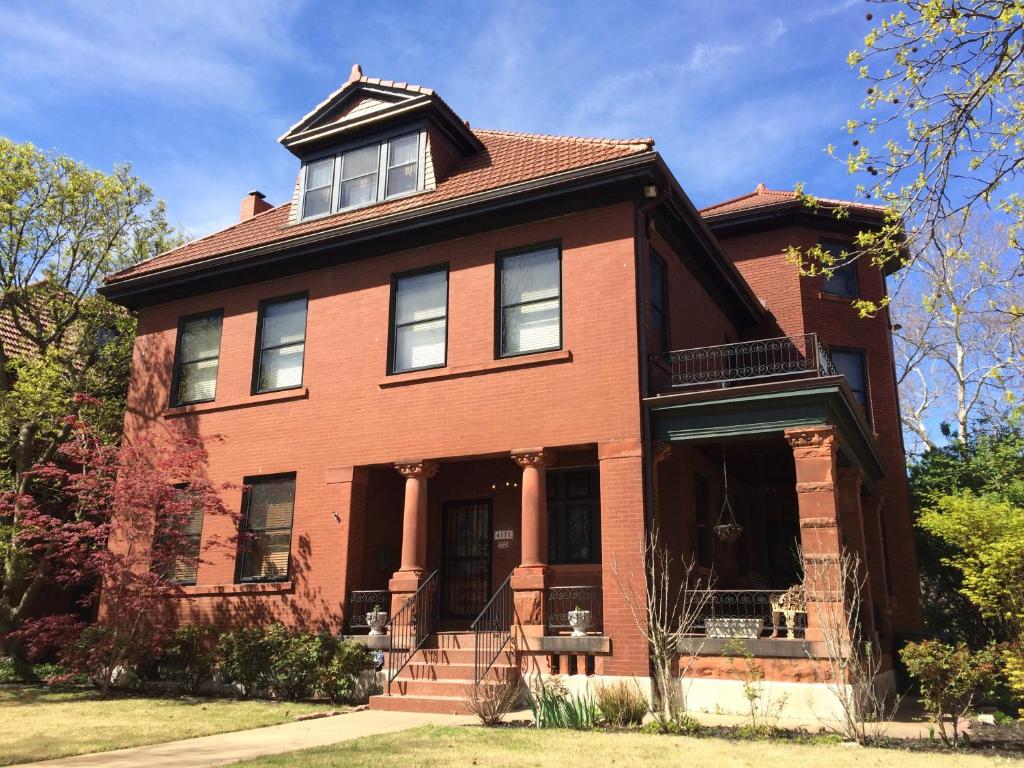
574	515
530	302
195	373
185	566
267	528
281	344
419	329
705	542
850	363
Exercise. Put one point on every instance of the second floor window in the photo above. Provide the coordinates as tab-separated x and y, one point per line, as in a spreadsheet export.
851	364
530	301
843	280
659	302
281	343
267	528
419	320
198	357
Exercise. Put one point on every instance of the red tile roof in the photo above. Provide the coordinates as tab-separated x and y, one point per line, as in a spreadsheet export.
762	197
13	342
508	158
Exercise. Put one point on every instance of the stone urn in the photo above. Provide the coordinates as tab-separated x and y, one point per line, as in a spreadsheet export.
376	620
579	620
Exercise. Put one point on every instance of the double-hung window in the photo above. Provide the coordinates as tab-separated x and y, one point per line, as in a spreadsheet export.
280	346
185	566
574	515
529	301
364	175
419	320
267	528
659	302
316	200
843	280
198	357
851	364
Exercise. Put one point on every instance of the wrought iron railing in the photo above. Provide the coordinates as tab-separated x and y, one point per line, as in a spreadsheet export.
492	629
743	362
745	613
361	602
561	600
410	627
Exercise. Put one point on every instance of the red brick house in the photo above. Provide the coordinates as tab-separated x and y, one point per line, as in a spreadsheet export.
463	371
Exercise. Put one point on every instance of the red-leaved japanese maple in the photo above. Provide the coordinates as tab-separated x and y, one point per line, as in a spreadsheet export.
117	520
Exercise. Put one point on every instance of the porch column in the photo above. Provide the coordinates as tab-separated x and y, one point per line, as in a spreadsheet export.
872	507
528	579
851	479
414	530
814	458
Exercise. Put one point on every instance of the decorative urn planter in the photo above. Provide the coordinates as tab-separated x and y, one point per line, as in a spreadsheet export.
579	620
376	620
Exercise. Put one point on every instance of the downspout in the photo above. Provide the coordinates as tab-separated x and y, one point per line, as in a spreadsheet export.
650	199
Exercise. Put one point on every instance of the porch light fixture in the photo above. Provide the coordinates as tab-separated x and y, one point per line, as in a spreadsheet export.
727	529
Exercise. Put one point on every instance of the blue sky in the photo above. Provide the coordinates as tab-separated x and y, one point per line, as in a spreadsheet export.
195	94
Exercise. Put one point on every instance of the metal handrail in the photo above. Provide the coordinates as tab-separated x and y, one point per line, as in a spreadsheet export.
410	627
742	361
492	629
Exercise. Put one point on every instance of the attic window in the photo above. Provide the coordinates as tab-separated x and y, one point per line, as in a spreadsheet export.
364	175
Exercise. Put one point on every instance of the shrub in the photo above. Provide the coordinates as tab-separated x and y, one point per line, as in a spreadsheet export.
490	701
187	658
338	679
621	704
13	670
950	676
298	661
245	657
554	707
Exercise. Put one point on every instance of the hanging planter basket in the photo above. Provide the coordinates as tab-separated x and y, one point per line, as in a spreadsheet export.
728	532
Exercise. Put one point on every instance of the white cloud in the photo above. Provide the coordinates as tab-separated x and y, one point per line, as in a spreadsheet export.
707	55
775	30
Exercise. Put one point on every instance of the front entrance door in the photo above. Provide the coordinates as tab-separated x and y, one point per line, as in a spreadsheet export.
465	559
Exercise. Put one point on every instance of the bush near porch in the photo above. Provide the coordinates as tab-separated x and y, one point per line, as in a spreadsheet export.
38	723
441	747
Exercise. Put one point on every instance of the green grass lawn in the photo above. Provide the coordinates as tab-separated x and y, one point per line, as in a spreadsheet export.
36	723
525	748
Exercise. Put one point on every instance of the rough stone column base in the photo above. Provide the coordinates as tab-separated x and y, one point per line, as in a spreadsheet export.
402	586
527	584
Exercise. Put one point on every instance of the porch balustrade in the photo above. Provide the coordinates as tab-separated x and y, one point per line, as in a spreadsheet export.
562	600
742	362
745	613
361	602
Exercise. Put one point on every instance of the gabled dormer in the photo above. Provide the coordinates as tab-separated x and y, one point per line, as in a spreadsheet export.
371	141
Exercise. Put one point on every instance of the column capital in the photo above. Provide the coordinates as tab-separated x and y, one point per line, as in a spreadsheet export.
533	457
822	438
418	469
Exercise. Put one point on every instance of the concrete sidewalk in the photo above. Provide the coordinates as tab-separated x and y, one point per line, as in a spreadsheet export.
243	745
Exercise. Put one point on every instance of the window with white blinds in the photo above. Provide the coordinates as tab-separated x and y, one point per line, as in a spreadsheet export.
185	567
281	341
419	332
530	312
267	528
195	375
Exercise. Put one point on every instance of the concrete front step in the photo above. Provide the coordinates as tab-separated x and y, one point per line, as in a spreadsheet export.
439	705
453	689
457	656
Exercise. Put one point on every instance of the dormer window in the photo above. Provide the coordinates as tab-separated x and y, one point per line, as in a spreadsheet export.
363	175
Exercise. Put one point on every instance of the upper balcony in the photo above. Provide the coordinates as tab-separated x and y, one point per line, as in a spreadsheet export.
740	363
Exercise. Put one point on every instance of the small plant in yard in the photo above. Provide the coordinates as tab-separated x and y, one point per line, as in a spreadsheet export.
621	704
492	700
187	657
553	706
350	660
763	710
951	677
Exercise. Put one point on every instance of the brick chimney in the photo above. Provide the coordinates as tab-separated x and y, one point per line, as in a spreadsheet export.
253	203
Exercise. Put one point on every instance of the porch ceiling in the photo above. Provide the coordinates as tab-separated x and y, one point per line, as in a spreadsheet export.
769	410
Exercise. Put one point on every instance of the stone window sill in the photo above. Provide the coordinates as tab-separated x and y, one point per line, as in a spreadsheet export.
459	371
254	588
299	393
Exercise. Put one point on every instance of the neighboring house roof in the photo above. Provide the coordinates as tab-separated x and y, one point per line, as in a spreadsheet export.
762	198
507	159
11	339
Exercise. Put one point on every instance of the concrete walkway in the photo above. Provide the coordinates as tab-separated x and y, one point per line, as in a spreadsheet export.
243	745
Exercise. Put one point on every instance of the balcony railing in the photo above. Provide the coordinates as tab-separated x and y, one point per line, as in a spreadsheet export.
361	602
561	600
742	362
738	613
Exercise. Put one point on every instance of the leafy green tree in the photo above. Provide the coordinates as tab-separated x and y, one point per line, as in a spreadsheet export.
63	226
